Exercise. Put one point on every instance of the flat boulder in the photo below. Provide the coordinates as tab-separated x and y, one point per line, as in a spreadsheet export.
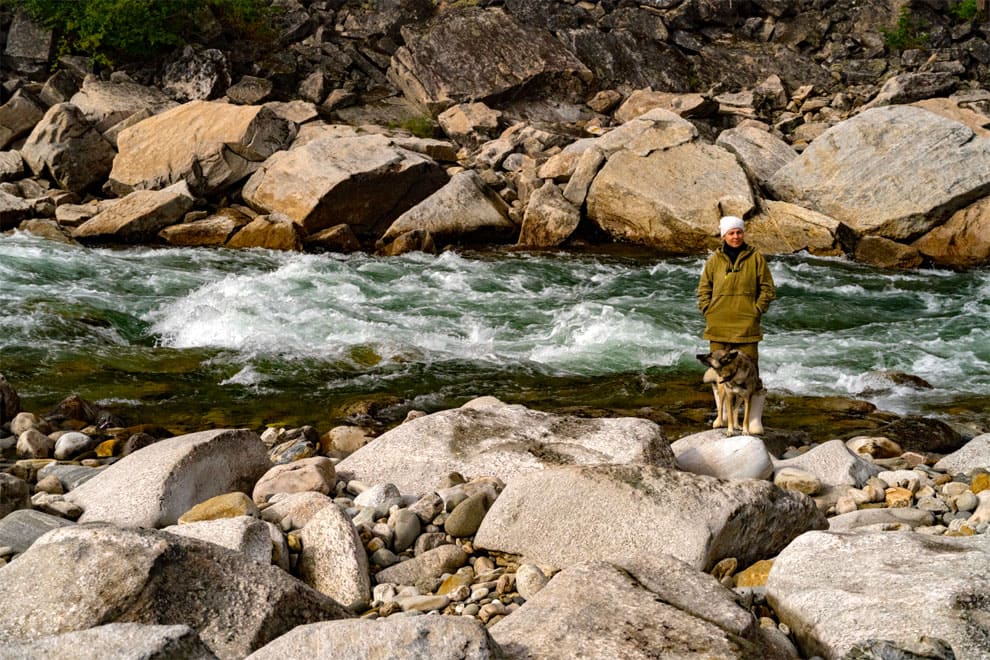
569	514
596	609
274	231
782	228
212	231
114	575
208	144
664	188
13	210
244	534
153	486
836	590
20	528
480	55
971	456
138	217
65	146
464	209
712	453
106	103
115	640
365	181
760	152
894	172
963	241
833	464
397	638
491	438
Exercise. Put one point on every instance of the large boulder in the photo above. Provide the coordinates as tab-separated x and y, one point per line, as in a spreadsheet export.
974	454
396	638
664	188
365	181
197	75
713	454
244	534
20	528
833	464
894	172
65	146
115	640
836	590
29	45
480	55
15	494
13	210
333	560
212	231
569	514
760	152
139	216
208	144
464	209
87	575
491	438
18	116
550	219
782	228
963	241
107	103
596	609
153	486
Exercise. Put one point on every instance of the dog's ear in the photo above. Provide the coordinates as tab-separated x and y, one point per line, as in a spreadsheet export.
731	355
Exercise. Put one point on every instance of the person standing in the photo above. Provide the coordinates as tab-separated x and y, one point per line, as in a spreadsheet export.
734	292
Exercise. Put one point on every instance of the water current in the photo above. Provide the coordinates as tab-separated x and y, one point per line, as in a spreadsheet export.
200	338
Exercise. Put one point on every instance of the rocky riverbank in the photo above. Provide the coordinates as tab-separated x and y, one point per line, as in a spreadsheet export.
573	124
490	530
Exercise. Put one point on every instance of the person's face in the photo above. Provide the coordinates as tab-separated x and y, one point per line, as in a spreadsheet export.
734	237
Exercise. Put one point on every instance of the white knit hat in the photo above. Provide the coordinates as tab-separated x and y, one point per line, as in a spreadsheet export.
728	223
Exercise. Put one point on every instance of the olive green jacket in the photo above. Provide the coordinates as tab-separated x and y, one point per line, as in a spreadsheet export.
733	298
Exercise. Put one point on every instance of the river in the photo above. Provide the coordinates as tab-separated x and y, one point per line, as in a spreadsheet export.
201	338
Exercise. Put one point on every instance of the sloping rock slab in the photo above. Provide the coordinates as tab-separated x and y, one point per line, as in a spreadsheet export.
107	103
759	152
364	181
396	638
463	209
836	590
114	641
19	529
500	440
564	515
974	454
894	172
83	576
598	610
833	464
138	217
154	486
479	55
208	144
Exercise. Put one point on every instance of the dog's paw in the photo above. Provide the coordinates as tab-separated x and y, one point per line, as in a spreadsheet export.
717	424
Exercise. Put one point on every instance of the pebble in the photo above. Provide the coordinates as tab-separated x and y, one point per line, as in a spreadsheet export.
530	580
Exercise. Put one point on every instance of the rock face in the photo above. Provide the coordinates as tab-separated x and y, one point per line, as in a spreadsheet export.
834	590
154	486
617	615
464	209
149	577
399	638
491	438
480	55
115	640
893	172
139	216
364	181
66	147
210	145
700	520
663	188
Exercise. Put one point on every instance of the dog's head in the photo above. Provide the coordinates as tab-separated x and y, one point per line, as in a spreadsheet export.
718	359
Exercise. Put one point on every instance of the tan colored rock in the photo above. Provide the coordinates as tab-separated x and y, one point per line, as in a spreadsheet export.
364	181
963	241
463	210
106	103
273	232
339	238
18	116
782	228
139	216
414	240
759	152
576	191
892	171
885	253
754	575
208	144
792	478
228	505
948	108
212	231
470	122
875	446
549	220
66	147
315	474
671	199
642	101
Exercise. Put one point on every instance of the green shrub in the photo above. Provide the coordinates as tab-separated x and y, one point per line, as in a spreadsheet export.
111	30
908	33
965	10
423	127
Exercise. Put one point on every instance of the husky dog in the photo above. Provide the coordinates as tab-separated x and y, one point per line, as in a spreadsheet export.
735	382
